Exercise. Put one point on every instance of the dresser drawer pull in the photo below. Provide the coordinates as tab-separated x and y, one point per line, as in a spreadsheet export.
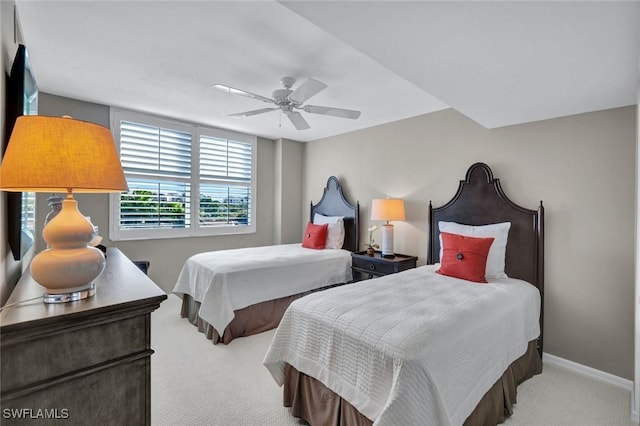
372	266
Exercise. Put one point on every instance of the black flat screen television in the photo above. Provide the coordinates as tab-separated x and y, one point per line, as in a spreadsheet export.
21	99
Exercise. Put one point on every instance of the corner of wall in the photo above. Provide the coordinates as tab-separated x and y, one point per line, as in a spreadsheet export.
277	187
288	191
635	403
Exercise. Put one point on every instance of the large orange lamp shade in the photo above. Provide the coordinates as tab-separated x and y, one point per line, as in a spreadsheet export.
61	154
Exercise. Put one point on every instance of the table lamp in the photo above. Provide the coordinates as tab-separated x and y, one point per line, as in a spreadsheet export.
61	154
387	209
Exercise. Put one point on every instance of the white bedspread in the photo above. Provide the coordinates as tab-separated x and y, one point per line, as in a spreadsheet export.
227	280
414	348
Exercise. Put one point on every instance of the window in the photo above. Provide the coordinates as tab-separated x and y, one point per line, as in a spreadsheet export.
166	163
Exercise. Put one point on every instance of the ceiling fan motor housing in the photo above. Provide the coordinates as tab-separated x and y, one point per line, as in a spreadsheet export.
281	96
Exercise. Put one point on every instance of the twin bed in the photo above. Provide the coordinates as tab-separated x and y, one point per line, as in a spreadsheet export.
240	292
419	347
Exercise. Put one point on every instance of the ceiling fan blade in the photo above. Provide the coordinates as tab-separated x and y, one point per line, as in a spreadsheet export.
253	112
298	121
306	90
235	91
336	112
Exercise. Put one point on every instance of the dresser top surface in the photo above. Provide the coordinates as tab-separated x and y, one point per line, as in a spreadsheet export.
121	285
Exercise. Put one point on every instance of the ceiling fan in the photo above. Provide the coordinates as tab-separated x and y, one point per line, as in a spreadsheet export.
288	100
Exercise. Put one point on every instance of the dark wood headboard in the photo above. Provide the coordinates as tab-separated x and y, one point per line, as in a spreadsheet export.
481	201
334	203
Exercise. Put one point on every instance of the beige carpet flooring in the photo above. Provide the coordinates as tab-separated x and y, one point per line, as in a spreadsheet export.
196	383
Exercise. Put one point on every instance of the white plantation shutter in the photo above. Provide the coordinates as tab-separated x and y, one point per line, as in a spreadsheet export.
225	182
149	150
157	164
166	163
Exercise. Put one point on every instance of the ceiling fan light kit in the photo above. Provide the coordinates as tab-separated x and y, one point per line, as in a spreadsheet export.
288	100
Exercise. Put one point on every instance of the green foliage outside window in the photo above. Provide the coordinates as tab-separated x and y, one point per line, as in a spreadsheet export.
142	208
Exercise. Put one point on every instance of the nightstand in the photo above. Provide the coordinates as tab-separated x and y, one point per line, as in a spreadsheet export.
364	266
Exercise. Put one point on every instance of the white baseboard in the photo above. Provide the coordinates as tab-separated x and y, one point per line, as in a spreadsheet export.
588	371
597	375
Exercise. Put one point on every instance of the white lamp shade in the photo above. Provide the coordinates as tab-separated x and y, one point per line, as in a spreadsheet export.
387	209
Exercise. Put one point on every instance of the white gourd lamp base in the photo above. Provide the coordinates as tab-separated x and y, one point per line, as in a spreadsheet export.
68	268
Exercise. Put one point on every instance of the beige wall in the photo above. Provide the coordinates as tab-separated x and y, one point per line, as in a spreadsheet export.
167	255
582	167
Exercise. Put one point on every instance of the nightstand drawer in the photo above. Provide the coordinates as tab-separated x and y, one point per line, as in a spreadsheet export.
366	266
374	266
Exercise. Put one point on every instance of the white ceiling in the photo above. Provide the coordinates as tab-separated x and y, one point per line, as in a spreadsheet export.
499	63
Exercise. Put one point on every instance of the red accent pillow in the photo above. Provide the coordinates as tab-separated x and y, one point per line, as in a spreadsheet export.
464	257
315	236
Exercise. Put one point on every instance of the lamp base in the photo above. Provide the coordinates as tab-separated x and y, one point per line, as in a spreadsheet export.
70	296
68	268
387	240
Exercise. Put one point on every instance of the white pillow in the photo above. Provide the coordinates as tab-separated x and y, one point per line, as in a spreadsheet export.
498	250
335	234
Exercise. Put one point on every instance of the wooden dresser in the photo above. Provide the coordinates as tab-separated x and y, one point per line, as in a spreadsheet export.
80	363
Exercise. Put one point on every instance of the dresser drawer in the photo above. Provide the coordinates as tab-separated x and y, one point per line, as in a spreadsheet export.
106	395
43	356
